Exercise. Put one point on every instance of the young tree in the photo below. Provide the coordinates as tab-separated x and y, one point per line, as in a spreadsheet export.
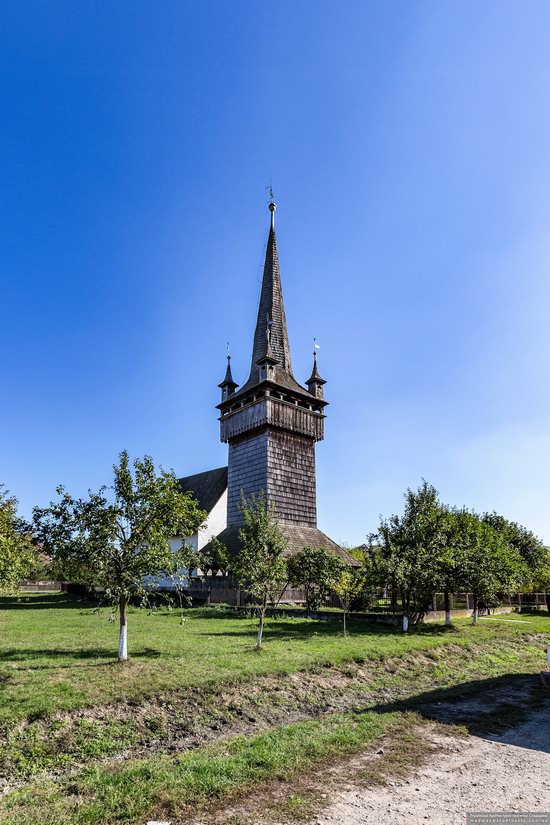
347	587
18	556
120	537
316	570
411	545
260	568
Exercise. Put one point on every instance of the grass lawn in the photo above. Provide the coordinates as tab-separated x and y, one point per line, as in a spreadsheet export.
57	653
57	659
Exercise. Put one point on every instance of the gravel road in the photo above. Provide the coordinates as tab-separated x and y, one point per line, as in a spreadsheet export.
508	772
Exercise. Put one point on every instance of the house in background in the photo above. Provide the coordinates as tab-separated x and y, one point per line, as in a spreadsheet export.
210	490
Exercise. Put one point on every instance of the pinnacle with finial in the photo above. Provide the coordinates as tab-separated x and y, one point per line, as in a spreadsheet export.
315	377
228	380
272	208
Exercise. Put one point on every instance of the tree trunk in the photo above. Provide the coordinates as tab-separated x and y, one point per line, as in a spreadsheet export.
345	631
123	637
447	607
405	604
519	602
547	597
474	613
261	625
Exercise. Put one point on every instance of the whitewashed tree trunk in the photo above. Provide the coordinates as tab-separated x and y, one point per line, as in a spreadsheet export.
123	637
405	603
447	608
261	625
475	611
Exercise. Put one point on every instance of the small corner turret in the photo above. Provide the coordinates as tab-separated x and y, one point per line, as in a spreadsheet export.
315	383
228	385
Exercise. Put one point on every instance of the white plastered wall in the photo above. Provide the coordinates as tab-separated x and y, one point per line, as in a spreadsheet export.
213	526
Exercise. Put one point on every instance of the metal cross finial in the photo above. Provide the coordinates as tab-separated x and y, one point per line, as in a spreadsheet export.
272	205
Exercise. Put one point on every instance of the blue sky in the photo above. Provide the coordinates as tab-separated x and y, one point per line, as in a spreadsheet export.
408	145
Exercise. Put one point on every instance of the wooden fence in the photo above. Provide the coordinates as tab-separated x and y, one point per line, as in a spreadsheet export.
28	586
225	590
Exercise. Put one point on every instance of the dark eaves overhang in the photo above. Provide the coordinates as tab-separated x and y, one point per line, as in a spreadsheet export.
247	396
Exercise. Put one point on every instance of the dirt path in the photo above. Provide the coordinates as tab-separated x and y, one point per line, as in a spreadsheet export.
506	772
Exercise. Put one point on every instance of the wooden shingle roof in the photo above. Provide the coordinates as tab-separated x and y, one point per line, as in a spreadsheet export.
297	538
271	334
207	487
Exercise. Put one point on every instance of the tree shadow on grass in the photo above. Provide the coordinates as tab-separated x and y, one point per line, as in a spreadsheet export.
493	708
26	655
270	632
284	629
45	601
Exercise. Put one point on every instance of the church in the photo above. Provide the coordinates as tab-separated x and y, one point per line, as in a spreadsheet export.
271	425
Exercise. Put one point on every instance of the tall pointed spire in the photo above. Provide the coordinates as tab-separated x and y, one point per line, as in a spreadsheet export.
271	351
271	331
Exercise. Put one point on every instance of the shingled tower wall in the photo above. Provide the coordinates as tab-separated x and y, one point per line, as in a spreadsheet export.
280	463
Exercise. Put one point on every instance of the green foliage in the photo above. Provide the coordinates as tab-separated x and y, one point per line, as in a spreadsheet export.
316	570
373	574
433	548
542	575
214	557
260	567
116	542
121	542
489	563
348	586
18	556
412	545
524	543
